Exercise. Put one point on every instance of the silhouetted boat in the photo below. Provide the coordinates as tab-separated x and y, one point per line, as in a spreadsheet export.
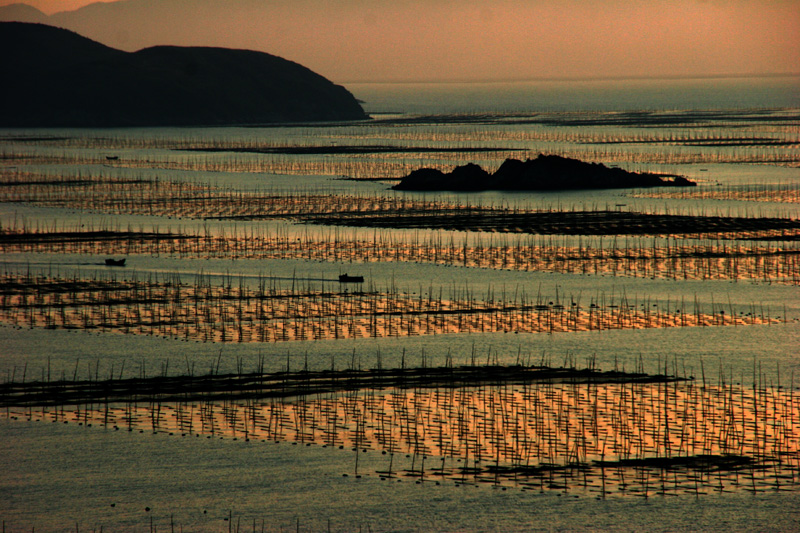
115	262
112	157
344	278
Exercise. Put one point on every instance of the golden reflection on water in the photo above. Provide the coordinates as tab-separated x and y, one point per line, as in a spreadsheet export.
604	438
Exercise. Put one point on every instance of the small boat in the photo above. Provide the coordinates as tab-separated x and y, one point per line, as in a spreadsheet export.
112	157
344	278
115	262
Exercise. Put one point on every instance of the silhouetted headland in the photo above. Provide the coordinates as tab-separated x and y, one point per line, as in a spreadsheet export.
54	77
545	173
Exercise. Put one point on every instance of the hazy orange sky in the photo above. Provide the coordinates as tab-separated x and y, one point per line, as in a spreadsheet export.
407	40
50	6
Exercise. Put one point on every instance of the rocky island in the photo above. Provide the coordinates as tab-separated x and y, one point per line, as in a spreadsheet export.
545	173
55	77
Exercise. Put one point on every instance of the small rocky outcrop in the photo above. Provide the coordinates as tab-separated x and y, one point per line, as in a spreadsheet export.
545	173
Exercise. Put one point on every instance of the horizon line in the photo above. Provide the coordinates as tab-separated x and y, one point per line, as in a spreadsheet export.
579	78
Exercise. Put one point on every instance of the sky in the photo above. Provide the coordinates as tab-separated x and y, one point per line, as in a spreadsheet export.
472	40
50	6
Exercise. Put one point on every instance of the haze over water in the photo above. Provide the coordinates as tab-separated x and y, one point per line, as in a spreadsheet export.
431	40
587	95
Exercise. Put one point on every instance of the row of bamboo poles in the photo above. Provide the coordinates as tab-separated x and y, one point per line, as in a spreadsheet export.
562	436
108	192
618	256
231	312
783	192
399	162
771	128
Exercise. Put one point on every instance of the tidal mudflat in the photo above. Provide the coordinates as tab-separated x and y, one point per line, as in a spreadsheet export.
615	359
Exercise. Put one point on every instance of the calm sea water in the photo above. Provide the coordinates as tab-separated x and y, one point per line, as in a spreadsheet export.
558	96
65	478
56	476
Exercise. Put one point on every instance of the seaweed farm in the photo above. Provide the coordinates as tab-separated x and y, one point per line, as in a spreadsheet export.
246	328
232	313
559	430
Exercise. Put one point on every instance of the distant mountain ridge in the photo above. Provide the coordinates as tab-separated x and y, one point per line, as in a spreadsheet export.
22	13
58	78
